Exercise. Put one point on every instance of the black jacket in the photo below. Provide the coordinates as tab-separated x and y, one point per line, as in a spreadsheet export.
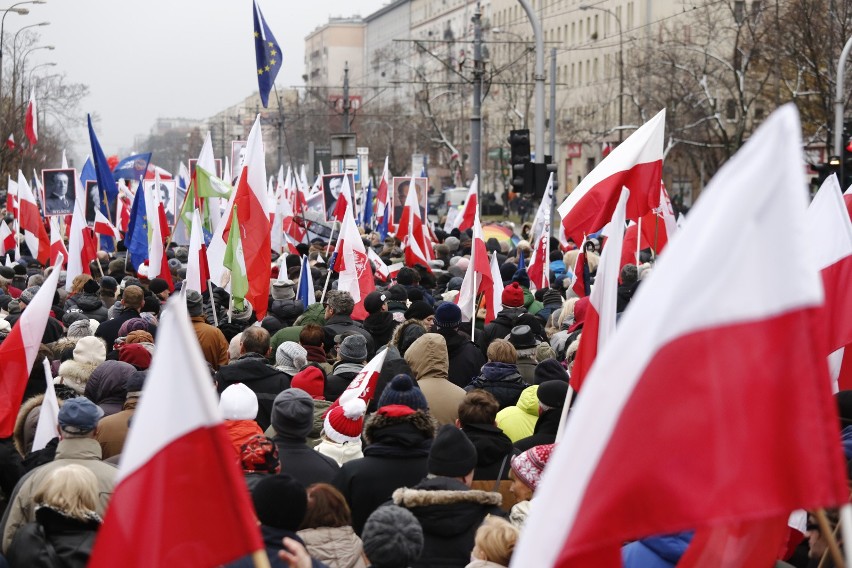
394	365
500	327
281	314
304	463
337	324
340	377
395	456
272	539
449	513
544	431
108	330
380	325
466	359
54	540
502	380
265	380
90	305
493	450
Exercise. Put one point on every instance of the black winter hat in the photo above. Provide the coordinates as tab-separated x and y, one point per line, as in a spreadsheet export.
403	390
549	370
406	276
397	293
552	393
280	501
419	310
452	453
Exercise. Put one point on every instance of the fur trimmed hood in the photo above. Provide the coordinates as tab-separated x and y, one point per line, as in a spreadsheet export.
420	421
23	435
75	375
409	498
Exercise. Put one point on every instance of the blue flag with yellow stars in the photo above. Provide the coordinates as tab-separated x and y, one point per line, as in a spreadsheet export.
268	56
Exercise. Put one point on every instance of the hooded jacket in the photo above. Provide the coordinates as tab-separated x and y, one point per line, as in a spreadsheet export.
380	325
466	359
338	547
213	344
427	358
395	456
449	513
663	551
107	386
89	304
500	327
518	421
265	380
492	447
502	380
112	430
54	539
282	313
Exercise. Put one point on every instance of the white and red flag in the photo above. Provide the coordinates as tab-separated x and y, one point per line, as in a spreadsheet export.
539	266
177	428
344	201
381	270
581	284
10	142
82	242
31	123
666	435
31	222
18	351
464	220
599	324
353	265
57	246
659	225
104	227
637	163
384	197
478	279
494	299
411	232
7	238
12	197
197	271
158	264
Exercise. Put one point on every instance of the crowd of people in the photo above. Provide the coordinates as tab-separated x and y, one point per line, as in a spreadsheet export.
438	467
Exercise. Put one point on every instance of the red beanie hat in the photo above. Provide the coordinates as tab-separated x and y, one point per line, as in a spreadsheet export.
513	296
136	354
344	423
310	380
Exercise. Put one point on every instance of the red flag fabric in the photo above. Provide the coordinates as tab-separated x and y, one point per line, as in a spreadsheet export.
104	227
659	224
31	222
659	389
197	271
478	279
353	266
31	125
177	428
18	351
636	163
628	249
464	220
411	232
344	201
7	238
383	197
599	325
581	268
10	142
57	246
539	268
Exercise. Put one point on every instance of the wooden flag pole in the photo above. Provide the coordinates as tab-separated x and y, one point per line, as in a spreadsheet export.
330	267
212	302
260	559
828	534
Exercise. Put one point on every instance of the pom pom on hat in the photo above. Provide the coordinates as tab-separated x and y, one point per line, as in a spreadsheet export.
344	422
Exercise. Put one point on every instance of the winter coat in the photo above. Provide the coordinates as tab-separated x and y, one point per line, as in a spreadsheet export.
26	423
500	327
532	305
544	431
81	451
519	421
394	365
625	294
107	385
54	540
320	408
492	449
519	513
342	374
337	547
380	325
284	334
340	453
240	432
662	551
395	456
483	564
502	380
338	324
449	513
526	364
112	430
272	539
213	344
466	359
282	313
304	463
108	330
90	305
265	380
427	358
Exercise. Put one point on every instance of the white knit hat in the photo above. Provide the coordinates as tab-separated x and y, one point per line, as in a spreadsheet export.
238	402
90	351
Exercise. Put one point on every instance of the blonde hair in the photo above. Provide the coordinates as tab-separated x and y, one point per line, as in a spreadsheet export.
71	489
501	351
495	540
567	311
78	283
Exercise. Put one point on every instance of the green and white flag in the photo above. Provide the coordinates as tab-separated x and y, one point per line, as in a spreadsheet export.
208	185
236	263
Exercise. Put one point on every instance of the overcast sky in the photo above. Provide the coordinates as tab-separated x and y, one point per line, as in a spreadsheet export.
144	59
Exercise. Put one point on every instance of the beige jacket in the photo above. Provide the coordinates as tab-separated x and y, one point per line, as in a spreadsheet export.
429	361
337	547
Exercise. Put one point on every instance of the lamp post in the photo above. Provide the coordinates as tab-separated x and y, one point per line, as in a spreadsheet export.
528	48
24	62
32	71
20	12
620	65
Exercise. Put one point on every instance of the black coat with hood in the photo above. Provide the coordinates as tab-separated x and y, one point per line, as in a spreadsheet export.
395	456
53	540
466	359
544	431
281	314
90	305
494	449
503	380
449	513
380	325
265	380
500	327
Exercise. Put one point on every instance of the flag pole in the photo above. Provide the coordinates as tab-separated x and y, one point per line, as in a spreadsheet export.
828	534
330	267
846	530
638	240
260	559
212	302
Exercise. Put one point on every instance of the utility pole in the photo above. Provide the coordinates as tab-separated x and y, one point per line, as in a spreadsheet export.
838	110
346	98
553	102
476	114
538	77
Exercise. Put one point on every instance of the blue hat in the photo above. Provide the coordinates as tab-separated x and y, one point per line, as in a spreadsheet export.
79	415
403	390
448	316
522	278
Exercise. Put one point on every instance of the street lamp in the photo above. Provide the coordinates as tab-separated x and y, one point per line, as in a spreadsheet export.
20	12
24	62
50	64
620	65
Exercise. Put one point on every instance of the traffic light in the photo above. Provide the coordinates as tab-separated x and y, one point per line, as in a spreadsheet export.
542	174
519	158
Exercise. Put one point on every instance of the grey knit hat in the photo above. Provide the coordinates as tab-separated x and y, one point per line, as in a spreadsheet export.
242	316
291	357
353	348
28	294
193	302
392	537
78	329
293	413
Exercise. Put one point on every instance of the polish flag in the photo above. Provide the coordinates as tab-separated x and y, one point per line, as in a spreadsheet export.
582	278
383	197
353	265
10	142
637	163
847	198
12	197
281	207
410	232
177	428
477	279
494	299
630	245
666	436
18	351
7	238
125	200
380	269
344	200
104	227
57	247
31	223
31	126
82	242
659	225
197	272
599	325
464	220
158	264
829	224
539	268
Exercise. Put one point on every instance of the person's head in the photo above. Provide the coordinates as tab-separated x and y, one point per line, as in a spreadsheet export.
403	390
164	194
527	469
502	351
352	348
60	184
291	357
452	455
376	302
133	297
629	274
513	296
160	288
335	186
448	316
194	303
326	508
311	379
71	489
422	311
312	334
392	537
78	418
280	502
255	340
551	395
478	407
495	541
293	414
78	282
338	303
238	402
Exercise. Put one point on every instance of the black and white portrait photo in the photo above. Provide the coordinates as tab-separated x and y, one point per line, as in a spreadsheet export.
332	185
165	193
58	191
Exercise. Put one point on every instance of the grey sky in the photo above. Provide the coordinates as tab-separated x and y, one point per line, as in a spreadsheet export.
143	59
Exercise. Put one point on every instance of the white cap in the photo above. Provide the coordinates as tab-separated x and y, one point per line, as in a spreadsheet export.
238	402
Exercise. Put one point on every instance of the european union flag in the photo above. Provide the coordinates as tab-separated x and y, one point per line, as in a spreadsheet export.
106	183
522	265
132	167
267	54
136	238
368	206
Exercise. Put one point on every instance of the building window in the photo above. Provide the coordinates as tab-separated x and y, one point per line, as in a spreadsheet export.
731	109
